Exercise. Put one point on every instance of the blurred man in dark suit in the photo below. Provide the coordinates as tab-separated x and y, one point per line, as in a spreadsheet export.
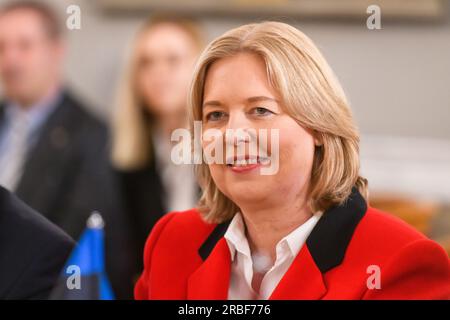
53	153
32	251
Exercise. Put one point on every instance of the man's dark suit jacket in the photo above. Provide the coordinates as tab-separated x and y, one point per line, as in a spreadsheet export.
33	251
67	176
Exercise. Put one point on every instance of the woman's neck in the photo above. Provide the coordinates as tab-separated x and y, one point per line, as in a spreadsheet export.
266	226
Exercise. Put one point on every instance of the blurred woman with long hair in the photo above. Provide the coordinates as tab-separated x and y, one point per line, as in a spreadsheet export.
150	105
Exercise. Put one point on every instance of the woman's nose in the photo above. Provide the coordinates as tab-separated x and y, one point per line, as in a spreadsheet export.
237	120
238	129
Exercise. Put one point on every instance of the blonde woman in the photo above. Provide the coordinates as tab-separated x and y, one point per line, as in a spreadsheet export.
305	232
151	104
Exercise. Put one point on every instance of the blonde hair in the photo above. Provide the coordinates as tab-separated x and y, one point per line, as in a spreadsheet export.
310	94
131	124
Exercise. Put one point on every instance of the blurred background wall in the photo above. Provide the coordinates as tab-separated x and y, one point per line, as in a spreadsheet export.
397	80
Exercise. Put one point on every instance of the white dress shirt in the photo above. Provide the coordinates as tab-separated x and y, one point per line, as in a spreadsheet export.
242	261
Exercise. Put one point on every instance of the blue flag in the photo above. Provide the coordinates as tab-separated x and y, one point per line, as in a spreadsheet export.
84	276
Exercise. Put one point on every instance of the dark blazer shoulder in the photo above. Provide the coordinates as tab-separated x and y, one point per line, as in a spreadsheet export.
73	111
32	250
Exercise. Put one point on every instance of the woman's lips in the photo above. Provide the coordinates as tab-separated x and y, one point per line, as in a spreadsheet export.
246	163
244	168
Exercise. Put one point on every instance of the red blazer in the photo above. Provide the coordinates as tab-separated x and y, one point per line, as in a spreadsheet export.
186	258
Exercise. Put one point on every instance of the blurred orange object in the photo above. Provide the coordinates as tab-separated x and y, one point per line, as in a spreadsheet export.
417	213
445	243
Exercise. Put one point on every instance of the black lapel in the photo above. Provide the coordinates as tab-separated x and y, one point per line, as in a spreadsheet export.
329	239
210	242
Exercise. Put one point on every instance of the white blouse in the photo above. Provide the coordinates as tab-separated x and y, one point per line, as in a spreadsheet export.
242	262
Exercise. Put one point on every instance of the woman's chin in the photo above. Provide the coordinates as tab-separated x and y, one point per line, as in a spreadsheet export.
248	192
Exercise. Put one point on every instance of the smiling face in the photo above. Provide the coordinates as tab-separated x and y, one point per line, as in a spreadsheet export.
238	96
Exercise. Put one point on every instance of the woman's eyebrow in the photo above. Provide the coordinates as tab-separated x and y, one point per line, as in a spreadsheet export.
261	98
216	103
213	103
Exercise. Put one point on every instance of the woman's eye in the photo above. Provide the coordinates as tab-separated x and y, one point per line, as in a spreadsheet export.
261	111
215	116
